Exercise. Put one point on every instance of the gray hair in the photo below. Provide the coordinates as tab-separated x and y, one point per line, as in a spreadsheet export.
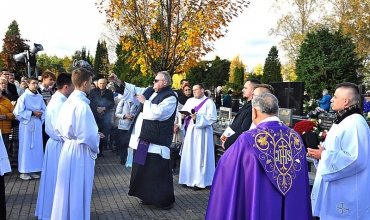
2	78
167	77
266	103
325	90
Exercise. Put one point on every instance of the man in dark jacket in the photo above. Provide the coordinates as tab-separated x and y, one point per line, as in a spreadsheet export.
243	119
101	103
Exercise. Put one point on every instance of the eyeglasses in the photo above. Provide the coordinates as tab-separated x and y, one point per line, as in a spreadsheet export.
157	80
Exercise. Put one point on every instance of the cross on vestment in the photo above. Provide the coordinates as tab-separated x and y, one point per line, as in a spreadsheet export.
283	156
342	209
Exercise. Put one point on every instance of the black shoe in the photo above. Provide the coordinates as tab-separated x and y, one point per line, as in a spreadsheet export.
184	185
174	172
197	188
142	202
167	207
123	162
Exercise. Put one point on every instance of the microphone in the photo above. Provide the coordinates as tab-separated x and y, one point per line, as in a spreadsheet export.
193	112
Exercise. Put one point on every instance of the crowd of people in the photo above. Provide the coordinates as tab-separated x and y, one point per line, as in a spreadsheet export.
263	173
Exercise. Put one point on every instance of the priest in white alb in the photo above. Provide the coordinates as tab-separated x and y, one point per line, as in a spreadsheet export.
75	175
53	147
197	165
342	183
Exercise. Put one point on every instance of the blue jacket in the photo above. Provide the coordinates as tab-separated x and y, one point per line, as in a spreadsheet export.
325	102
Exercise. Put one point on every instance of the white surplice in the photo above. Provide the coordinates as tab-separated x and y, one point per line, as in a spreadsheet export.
31	152
75	176
151	111
51	158
197	165
342	184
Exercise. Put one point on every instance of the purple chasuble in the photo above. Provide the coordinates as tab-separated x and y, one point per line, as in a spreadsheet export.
263	175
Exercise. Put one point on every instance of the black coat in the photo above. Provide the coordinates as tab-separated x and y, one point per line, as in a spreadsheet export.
242	122
99	99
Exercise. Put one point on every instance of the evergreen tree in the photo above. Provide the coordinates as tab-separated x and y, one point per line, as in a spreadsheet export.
101	62
13	44
97	59
210	73
327	58
272	67
83	53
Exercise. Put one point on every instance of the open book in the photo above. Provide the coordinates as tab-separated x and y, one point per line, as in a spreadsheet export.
185	113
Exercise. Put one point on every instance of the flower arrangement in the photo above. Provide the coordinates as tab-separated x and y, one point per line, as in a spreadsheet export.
304	126
310	125
322	134
309	105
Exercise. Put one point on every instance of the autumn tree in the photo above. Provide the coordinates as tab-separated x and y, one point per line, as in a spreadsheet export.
297	18
288	73
126	72
353	17
327	58
272	67
258	70
13	44
170	35
235	63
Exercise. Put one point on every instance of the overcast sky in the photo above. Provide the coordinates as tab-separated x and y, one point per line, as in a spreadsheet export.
64	26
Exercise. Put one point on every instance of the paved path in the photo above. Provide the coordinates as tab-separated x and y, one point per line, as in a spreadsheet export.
109	199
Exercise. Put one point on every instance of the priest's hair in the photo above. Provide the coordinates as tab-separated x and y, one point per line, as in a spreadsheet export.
167	77
266	103
352	91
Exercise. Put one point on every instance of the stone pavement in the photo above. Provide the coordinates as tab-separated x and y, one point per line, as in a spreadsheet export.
109	198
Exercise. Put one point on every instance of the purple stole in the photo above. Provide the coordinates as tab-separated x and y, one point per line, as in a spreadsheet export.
196	109
280	151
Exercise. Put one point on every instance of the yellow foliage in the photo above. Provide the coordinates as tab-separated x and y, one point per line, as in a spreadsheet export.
236	62
288	73
258	70
170	35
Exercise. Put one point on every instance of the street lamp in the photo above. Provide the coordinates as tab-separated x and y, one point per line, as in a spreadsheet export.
29	58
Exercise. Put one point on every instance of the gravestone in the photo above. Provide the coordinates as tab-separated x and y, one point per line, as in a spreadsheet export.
326	120
290	95
285	115
225	113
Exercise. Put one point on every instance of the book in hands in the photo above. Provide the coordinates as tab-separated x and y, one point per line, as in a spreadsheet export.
185	113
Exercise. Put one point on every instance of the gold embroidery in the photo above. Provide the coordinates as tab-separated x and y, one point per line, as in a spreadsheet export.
281	154
262	141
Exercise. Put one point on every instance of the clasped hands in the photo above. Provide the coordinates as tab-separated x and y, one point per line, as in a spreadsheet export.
315	153
100	110
37	113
